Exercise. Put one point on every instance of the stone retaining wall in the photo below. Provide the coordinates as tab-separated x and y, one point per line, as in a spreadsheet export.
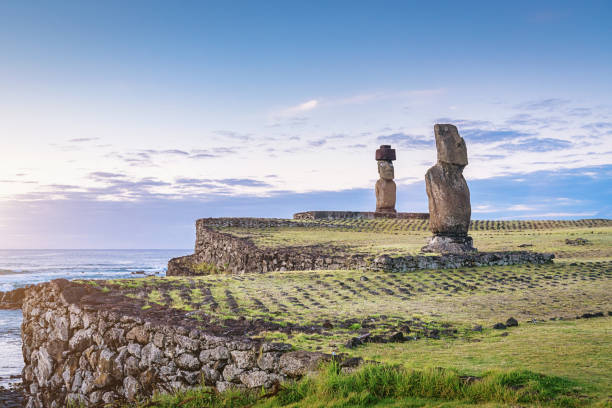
238	255
341	215
228	253
82	345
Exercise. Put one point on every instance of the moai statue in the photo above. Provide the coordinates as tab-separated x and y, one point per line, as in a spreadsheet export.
385	186
448	193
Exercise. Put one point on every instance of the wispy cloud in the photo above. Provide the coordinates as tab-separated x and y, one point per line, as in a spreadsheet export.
520	207
537	145
548	104
102	175
407	141
487	136
83	139
298	109
230	134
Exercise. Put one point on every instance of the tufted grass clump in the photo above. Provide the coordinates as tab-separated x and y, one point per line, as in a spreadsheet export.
388	385
373	384
203	397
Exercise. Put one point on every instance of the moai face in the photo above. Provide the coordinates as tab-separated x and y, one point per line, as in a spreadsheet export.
386	170
451	147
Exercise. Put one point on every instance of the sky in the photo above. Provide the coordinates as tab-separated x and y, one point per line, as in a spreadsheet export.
121	123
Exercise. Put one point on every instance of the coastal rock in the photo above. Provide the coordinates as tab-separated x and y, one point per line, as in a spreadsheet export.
12	299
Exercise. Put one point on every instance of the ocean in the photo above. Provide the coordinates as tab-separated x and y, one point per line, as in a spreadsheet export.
25	267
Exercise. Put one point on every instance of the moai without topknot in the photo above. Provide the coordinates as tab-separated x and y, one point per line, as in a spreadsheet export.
448	194
385	186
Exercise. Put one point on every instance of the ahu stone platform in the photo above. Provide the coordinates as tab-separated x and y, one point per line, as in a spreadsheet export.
364	215
218	251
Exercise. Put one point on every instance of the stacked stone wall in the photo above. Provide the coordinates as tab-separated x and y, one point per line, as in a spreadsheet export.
83	346
341	215
237	255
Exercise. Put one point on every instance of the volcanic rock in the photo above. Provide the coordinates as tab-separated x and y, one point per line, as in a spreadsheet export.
448	194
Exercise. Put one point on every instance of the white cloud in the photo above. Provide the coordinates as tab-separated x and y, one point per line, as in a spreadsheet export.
551	215
299	109
520	207
483	209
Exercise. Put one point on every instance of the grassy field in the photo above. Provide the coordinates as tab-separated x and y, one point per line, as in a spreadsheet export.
322	310
406	237
446	317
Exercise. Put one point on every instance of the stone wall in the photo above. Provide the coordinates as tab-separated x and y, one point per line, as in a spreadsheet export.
233	254
238	255
95	348
341	215
453	261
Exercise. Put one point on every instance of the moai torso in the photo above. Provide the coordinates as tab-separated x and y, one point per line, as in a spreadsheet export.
385	195
449	200
447	190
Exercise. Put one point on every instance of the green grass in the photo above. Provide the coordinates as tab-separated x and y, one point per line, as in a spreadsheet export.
178	302
389	385
580	350
378	302
398	239
155	296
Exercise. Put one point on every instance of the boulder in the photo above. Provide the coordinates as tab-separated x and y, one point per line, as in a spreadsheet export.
188	361
297	363
12	299
511	322
131	388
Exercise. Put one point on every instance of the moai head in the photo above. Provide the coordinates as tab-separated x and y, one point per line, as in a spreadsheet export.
385	170
451	147
384	157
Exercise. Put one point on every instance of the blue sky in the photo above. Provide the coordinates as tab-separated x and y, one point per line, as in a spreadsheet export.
123	122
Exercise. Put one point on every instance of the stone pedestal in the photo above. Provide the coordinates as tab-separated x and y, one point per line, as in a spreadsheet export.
449	244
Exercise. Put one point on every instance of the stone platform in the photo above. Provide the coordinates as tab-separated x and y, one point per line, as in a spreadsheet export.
365	215
219	251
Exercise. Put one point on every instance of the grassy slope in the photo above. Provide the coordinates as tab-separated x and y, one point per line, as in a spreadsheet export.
580	281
